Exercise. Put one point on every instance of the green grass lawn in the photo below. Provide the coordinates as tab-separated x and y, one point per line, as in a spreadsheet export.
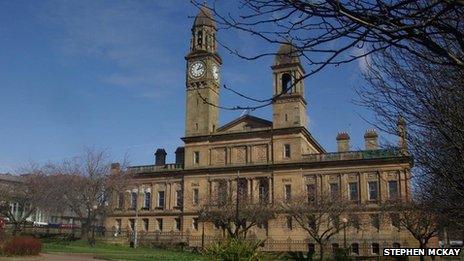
117	252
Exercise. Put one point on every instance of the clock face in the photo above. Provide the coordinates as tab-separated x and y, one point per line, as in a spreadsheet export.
215	71
197	69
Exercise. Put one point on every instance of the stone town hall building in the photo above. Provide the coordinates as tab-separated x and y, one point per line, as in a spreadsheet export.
274	160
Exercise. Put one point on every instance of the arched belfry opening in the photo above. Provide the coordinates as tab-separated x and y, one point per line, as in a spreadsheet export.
287	83
200	38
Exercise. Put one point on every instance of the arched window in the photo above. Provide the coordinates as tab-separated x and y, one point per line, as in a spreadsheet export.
355	249
200	38
396	245
287	83
335	247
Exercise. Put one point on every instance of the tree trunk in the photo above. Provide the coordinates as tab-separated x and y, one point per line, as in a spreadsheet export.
424	246
85	231
16	228
321	251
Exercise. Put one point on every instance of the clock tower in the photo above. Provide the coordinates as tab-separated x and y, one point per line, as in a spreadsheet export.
203	77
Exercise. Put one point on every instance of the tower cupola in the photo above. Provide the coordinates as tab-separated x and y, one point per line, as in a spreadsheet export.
289	107
204	31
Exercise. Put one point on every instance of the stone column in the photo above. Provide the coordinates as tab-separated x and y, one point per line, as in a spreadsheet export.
249	196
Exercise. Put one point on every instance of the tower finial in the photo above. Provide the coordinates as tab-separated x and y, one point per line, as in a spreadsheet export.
402	134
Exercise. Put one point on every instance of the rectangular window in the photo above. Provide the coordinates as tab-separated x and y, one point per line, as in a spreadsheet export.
242	188
334	190
353	188
179	198
393	189
311	189
222	192
288	192
395	220
196	157
216	225
355	248
133	200
373	190
132	224
375	249
287	151
160	199
159	223
354	221
312	222
177	224
195	223
121	200
145	224
264	190
118	225
375	221
147	204
196	197
289	223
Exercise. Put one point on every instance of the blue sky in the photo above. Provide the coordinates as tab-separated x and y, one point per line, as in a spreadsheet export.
111	75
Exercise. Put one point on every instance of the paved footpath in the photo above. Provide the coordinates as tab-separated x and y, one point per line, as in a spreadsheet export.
53	257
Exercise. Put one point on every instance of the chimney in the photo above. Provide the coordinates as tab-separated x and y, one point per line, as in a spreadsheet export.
180	152
115	167
371	140
160	157
343	141
401	128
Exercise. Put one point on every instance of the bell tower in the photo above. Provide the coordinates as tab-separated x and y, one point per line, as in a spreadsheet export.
289	106
202	77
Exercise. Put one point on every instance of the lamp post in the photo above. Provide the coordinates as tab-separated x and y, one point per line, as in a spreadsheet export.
136	217
94	207
202	219
345	222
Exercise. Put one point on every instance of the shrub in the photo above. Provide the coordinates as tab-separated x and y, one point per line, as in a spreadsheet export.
235	249
22	246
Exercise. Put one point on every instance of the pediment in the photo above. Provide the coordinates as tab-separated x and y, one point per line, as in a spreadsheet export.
245	123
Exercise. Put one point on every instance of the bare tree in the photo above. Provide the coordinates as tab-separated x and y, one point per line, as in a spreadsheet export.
430	100
84	185
416	217
28	193
333	32
236	215
321	217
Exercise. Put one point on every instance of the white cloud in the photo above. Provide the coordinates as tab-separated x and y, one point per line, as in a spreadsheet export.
363	62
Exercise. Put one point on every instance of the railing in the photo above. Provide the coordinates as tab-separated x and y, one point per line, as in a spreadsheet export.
154	168
332	156
353	155
357	246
